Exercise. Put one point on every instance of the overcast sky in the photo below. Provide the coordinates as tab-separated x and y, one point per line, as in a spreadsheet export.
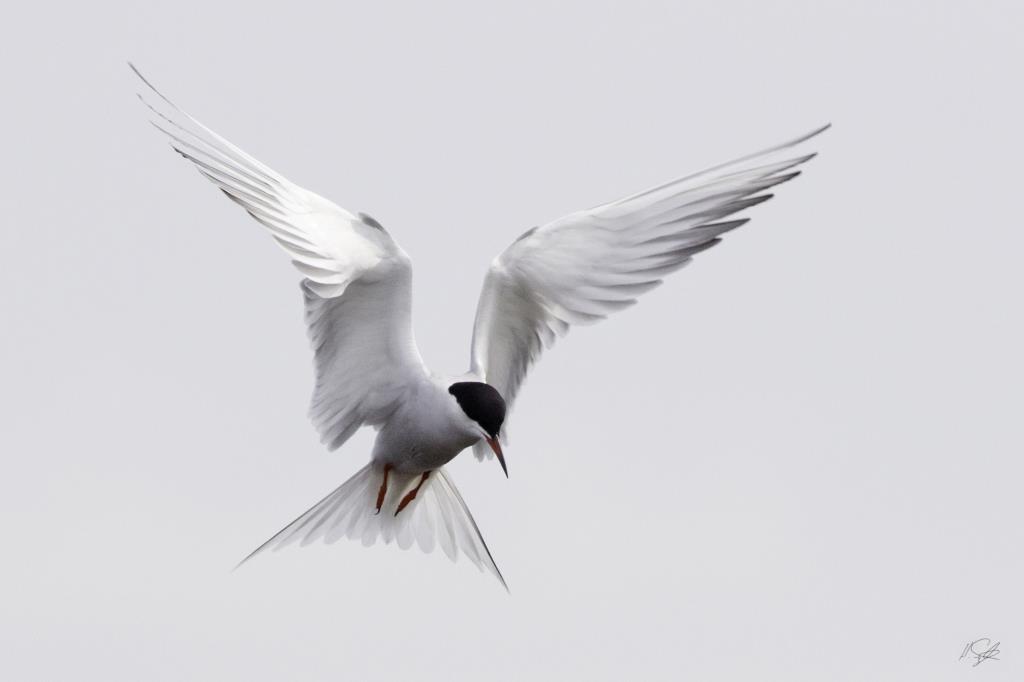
799	459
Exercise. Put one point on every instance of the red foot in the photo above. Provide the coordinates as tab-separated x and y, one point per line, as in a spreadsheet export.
383	488
411	495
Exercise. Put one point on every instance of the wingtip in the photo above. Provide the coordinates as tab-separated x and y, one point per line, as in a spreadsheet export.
135	70
814	133
151	87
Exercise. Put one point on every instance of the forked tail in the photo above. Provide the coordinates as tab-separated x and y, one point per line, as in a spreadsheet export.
437	516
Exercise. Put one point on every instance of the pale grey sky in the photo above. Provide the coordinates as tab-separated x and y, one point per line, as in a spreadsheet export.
799	459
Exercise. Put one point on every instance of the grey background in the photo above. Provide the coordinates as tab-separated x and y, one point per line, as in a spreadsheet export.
799	459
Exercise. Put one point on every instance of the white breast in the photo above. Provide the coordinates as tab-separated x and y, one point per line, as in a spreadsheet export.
426	431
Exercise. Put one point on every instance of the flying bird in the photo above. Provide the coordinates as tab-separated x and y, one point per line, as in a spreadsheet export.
357	288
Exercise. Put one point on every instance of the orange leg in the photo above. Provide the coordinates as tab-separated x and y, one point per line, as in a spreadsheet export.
383	488
411	495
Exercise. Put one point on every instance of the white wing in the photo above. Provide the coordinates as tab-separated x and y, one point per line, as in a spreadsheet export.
358	280
580	268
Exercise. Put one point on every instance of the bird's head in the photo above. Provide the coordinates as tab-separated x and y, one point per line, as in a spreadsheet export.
486	409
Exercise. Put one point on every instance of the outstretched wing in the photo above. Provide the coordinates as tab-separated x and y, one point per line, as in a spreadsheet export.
589	264
357	284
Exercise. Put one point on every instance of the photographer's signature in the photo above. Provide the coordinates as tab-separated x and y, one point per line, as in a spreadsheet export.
981	650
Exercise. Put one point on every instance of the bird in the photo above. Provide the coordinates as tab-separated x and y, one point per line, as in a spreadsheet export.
357	292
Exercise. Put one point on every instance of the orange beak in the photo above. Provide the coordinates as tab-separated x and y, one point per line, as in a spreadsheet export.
496	446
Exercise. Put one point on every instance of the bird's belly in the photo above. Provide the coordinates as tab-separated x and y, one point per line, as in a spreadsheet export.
413	450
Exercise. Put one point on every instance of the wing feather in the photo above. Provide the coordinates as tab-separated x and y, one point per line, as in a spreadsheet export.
357	286
587	265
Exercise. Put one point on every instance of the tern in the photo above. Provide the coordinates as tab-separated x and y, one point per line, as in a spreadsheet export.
357	291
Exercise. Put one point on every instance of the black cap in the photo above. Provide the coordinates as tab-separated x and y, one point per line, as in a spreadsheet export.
481	403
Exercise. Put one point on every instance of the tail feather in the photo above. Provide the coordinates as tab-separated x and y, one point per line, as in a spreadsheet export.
437	517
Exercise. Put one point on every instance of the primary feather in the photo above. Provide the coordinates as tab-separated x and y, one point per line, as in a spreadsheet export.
581	268
358	282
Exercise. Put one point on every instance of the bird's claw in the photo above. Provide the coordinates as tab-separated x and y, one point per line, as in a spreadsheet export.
411	495
383	489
